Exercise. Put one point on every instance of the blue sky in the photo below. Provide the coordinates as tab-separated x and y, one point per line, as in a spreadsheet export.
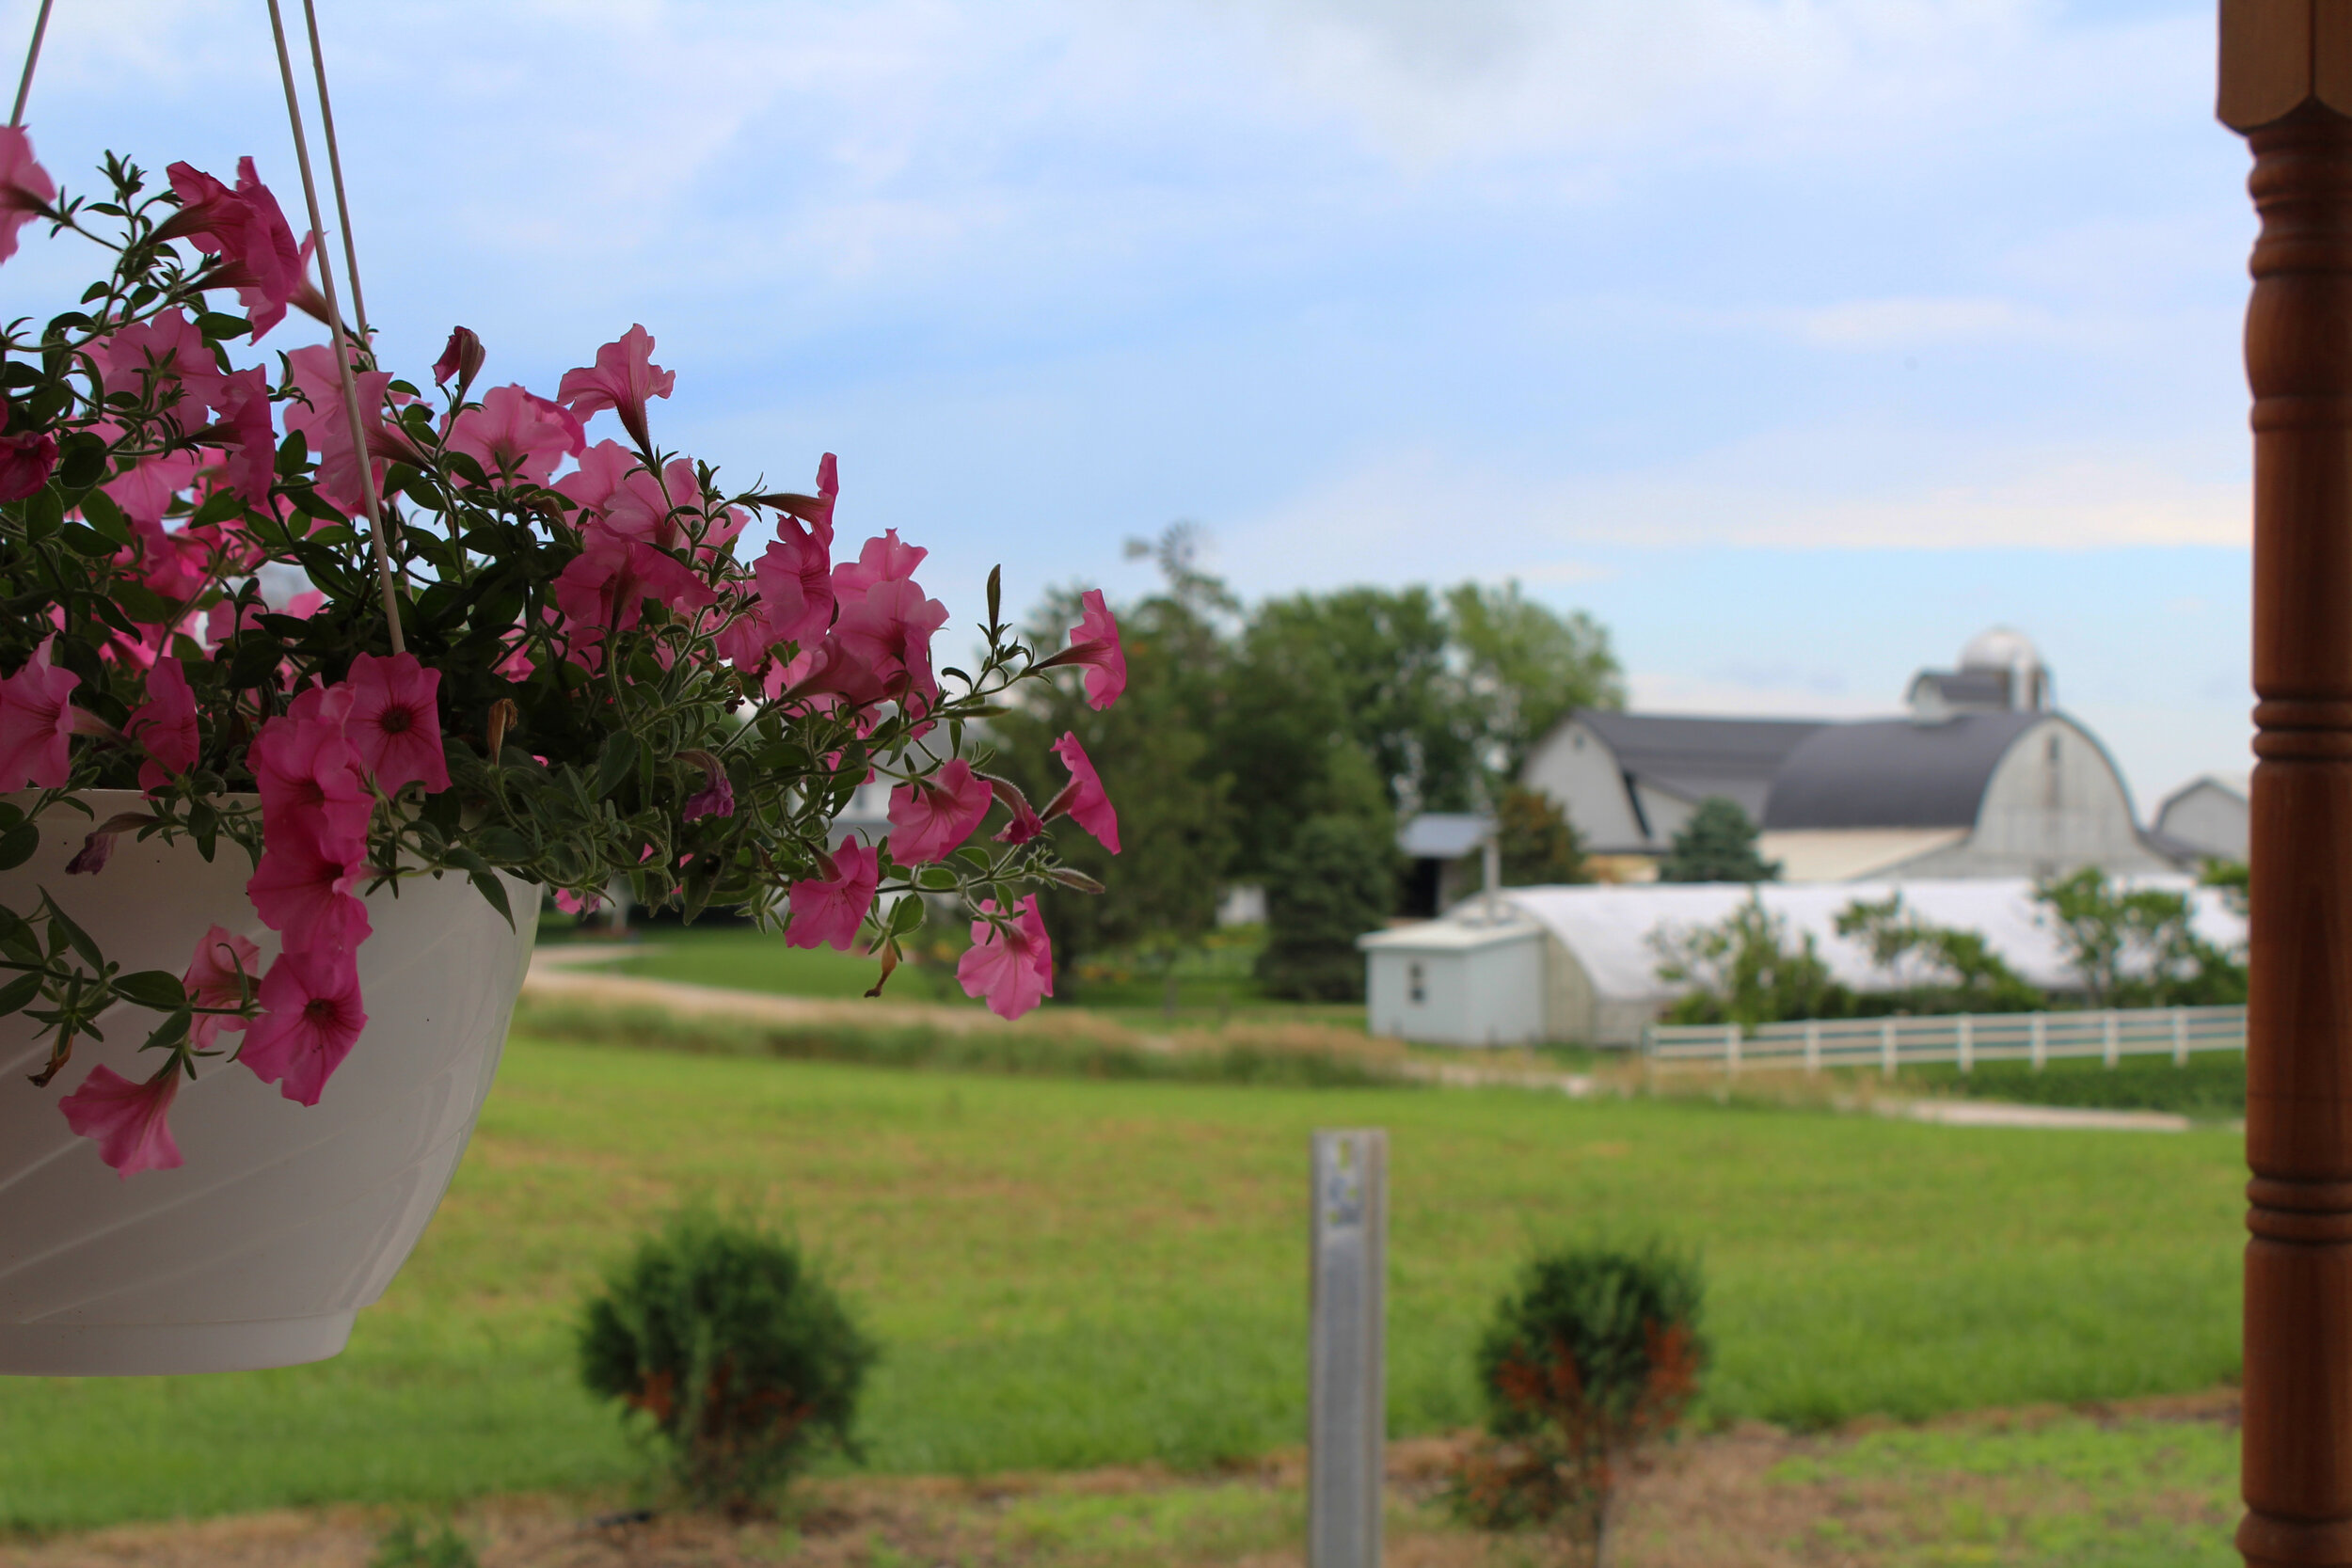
1798	339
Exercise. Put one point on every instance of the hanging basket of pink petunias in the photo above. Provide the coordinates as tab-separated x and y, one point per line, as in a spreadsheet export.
314	678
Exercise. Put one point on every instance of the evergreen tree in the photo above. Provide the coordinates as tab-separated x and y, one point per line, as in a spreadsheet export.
1336	882
1539	845
1717	844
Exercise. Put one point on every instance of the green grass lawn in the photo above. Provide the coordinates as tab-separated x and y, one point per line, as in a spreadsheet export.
1069	1273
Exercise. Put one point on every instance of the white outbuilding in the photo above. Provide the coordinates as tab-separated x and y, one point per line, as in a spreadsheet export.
1580	964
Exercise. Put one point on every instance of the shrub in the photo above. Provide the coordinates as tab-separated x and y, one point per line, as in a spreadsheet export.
1593	1357
720	1335
408	1546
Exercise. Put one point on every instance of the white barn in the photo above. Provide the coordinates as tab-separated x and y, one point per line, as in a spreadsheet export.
1979	778
2208	819
1575	964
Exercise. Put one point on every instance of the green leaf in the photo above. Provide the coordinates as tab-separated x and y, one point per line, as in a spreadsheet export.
81	460
142	603
158	989
495	891
19	991
620	755
99	511
256	662
17	845
220	324
171	1032
44	509
906	914
62	922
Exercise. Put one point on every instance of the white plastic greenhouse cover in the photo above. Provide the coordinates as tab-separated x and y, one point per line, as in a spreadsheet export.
1608	928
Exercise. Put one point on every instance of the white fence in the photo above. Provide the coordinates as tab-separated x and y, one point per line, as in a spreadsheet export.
1963	1039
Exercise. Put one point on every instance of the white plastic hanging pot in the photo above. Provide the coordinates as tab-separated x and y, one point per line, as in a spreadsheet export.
285	1219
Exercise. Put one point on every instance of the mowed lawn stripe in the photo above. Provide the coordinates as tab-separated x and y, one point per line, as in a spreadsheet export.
1066	1273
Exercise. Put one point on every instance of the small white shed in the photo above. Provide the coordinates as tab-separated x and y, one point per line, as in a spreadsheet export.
1463	981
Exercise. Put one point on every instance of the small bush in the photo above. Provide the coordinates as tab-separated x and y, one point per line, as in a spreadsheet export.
1336	882
720	1335
408	1546
1593	1356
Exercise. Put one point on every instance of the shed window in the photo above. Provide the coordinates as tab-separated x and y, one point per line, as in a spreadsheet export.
1416	984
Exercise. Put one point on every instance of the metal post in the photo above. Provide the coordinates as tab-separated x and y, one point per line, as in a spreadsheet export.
1886	1047
2040	1039
1812	1045
1967	1044
2108	1048
1347	1417
1731	1051
2179	1036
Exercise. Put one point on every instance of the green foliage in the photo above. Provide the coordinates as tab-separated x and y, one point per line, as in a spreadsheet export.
1526	667
2211	1087
1371	699
2136	947
725	1339
1717	844
1951	970
408	1546
1337	882
1539	845
1743	970
2233	878
1593	1357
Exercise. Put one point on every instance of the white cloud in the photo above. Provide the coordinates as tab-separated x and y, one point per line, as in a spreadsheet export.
1422	513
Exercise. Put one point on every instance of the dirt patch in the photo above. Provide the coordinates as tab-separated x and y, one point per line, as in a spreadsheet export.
1753	1496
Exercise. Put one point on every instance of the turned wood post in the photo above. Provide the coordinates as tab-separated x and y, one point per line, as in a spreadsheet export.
2286	85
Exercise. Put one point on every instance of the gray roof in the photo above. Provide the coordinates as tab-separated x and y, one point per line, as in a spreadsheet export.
1966	689
1695	758
1893	773
1443	835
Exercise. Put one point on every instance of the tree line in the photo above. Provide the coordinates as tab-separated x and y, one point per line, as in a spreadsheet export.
1281	743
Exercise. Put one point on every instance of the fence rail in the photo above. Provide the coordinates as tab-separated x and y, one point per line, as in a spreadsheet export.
1963	1039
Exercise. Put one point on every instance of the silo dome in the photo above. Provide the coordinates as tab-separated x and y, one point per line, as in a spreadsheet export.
2000	648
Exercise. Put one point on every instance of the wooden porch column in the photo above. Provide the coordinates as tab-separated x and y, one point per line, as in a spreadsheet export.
2286	85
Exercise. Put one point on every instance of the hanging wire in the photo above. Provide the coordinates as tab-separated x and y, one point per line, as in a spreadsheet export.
32	58
335	173
342	343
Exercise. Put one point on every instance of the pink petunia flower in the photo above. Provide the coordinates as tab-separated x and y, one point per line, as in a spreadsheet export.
25	187
883	559
127	1118
251	463
311	1019
930	818
223	974
1012	969
623	377
794	602
1094	643
248	230
147	490
168	350
517	433
576	903
304	894
461	358
394	726
26	464
164	726
1084	797
830	911
1026	824
325	424
606	586
889	628
310	779
36	723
